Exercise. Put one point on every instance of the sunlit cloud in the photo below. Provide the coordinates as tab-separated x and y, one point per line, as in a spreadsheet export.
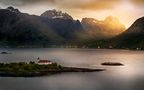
77	4
138	2
89	4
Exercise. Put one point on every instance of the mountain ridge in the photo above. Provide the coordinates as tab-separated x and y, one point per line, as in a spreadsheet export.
56	14
22	29
103	29
133	37
18	28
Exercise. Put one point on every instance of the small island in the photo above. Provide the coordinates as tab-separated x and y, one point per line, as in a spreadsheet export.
112	64
32	69
4	53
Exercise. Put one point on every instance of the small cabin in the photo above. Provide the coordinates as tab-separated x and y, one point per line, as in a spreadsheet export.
44	62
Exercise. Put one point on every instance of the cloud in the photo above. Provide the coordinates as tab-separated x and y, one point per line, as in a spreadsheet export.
89	4
138	2
73	4
23	2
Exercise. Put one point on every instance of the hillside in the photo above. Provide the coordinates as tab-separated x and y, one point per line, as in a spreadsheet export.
133	37
21	29
54	27
102	29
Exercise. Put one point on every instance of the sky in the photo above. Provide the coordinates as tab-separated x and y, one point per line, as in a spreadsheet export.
126	10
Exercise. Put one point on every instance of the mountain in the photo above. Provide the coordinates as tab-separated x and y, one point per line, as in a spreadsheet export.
103	29
133	37
54	27
22	29
56	14
13	9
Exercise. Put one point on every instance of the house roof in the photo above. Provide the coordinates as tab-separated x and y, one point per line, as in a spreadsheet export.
44	61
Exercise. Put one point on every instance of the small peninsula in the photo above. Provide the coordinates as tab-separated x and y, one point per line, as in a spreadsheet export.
32	69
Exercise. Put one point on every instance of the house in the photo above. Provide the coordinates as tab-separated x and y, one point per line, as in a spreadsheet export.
44	62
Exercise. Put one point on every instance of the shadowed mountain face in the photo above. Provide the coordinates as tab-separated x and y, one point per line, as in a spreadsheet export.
18	29
107	28
133	37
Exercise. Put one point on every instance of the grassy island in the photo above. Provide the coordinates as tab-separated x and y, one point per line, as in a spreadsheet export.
32	69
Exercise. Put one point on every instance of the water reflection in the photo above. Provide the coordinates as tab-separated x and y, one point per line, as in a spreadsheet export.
128	77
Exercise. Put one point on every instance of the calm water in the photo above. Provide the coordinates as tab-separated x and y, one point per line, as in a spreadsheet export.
128	77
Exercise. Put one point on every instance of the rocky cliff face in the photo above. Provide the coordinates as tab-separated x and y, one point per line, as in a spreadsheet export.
56	14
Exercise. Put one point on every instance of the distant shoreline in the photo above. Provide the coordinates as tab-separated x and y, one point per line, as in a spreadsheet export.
66	48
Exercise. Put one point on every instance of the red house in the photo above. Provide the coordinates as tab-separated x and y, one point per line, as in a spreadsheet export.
44	62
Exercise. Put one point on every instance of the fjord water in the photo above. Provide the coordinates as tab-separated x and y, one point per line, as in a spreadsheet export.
127	77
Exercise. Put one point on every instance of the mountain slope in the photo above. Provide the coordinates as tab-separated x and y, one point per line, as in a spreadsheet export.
58	28
133	37
105	29
18	29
